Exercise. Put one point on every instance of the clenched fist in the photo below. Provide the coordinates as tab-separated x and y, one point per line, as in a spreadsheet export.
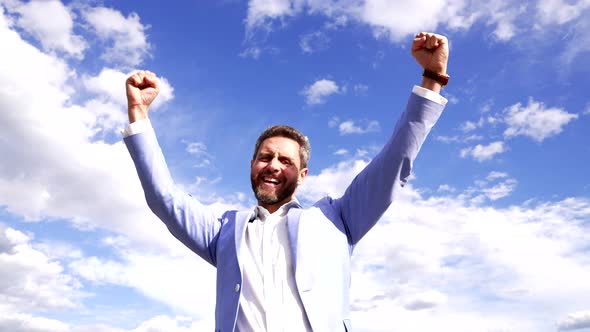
431	51
142	88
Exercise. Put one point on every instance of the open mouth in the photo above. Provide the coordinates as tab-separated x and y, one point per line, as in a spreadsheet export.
270	181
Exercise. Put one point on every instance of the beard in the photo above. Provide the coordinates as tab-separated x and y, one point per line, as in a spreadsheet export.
271	197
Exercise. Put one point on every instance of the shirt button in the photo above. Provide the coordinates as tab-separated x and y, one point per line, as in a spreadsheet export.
237	288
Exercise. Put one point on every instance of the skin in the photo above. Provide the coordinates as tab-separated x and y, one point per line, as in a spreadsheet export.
276	172
278	157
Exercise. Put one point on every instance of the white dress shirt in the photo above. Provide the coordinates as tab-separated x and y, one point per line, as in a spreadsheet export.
269	300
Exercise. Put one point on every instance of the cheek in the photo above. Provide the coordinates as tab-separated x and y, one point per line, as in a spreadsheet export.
256	168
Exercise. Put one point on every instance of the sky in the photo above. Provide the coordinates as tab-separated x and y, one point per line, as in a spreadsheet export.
492	234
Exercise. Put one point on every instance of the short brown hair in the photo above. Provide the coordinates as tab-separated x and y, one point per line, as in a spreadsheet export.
287	132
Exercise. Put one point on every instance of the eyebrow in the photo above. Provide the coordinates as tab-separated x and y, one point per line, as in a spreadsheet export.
268	153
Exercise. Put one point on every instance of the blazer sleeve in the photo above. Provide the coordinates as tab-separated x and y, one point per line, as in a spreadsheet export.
194	224
373	189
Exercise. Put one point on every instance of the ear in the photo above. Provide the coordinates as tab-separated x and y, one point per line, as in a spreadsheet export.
302	175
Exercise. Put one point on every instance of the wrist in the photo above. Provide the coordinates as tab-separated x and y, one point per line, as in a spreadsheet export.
430	84
137	112
434	80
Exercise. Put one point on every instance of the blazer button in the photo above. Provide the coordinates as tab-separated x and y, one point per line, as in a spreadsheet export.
237	288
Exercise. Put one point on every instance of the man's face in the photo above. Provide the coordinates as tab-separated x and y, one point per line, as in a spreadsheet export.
275	172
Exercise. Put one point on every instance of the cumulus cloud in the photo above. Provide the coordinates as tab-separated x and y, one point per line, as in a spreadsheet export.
575	321
261	10
16	322
535	120
500	190
63	159
55	34
394	20
424	300
144	273
126	35
319	91
30	279
446	251
484	152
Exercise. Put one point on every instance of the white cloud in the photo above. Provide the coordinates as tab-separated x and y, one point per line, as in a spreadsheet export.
260	10
126	34
30	279
55	34
424	300
447	139
16	322
447	253
496	175
349	127
330	181
199	150
578	41
470	125
394	20
445	188
560	12
196	148
319	91
500	190
173	324
144	272
484	152
575	321
341	152
535	120
505	16
251	52
62	160
314	42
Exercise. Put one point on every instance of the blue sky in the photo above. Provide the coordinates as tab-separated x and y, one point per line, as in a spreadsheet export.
491	234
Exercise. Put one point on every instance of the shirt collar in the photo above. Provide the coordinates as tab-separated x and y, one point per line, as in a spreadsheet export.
262	213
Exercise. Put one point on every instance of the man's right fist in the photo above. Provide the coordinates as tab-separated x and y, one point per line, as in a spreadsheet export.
142	88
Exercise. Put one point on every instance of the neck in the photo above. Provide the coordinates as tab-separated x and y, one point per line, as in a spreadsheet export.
272	208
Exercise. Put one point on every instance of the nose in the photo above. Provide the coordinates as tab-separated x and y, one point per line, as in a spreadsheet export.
274	165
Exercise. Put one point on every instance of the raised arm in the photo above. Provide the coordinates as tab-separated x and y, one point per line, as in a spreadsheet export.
187	219
372	191
142	88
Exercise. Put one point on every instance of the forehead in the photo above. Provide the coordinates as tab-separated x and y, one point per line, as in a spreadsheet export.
281	145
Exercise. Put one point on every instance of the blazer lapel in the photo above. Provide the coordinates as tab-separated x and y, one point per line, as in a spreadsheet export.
293	217
242	219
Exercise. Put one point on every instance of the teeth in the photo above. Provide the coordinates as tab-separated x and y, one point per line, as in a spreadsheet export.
270	180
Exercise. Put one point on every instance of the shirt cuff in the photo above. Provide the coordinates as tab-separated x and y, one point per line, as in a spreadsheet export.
430	95
136	127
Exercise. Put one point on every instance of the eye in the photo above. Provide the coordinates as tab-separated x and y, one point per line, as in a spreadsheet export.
286	161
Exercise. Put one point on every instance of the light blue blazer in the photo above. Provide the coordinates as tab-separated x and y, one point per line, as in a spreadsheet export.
322	237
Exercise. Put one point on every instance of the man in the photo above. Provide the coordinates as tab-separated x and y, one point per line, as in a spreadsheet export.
281	267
